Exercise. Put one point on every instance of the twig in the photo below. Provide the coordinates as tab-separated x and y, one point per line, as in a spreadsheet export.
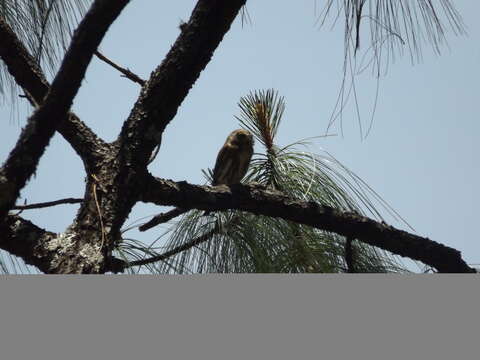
197	241
162	218
127	73
47	204
174	251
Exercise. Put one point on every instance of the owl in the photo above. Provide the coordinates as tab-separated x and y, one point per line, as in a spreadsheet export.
233	158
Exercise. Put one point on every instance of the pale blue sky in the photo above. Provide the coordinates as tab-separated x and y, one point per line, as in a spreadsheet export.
419	156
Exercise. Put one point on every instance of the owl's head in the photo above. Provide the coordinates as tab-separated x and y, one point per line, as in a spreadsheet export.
241	137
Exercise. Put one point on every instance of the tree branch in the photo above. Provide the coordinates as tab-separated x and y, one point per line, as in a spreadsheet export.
127	73
188	245
48	251
47	204
121	265
170	83
34	245
162	218
22	161
159	100
23	68
261	201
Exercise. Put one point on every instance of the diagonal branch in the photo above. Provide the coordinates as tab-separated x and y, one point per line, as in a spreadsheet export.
44	249
21	65
24	239
120	265
48	204
22	161
258	200
162	218
188	245
24	69
159	100
170	83
127	73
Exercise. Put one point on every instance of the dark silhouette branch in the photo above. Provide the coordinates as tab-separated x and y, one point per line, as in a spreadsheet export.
121	265
21	65
120	174
170	83
47	204
27	74
258	200
156	106
127	73
34	245
23	159
162	218
188	245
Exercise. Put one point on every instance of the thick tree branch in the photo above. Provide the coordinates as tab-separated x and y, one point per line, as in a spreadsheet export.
21	64
170	82
49	252
34	245
159	100
22	161
23	68
261	201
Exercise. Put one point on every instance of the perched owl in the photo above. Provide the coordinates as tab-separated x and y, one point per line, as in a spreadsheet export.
233	158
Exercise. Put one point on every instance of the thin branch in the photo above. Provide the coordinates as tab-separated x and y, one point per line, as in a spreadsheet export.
261	201
22	161
127	73
188	245
48	204
178	249
162	218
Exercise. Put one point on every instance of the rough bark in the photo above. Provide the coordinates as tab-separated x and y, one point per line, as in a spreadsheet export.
23	68
261	201
23	159
115	185
120	178
170	83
